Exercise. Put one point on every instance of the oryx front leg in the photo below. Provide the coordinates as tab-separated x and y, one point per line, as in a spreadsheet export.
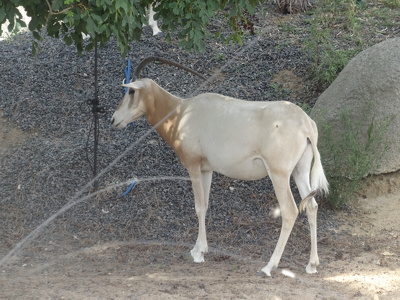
289	214
201	182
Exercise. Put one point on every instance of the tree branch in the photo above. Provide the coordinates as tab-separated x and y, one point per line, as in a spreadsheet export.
59	12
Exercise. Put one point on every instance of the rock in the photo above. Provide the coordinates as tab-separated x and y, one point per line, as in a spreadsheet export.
367	92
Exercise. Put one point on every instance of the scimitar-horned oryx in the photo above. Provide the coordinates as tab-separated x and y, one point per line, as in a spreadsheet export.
246	140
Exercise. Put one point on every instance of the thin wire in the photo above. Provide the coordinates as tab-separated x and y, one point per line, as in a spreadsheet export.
77	198
87	147
96	119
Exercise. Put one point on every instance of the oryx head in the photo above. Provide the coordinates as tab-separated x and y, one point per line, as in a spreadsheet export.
132	106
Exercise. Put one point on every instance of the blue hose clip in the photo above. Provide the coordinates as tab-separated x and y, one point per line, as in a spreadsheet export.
127	74
129	189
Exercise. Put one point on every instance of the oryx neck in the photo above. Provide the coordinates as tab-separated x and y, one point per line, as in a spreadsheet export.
162	107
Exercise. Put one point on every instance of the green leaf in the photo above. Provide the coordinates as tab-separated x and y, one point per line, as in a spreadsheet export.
176	10
11	25
36	35
33	24
57	5
68	40
2	14
21	23
35	46
120	4
114	30
90	26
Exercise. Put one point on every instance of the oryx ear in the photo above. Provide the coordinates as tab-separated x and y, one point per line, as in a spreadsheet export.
137	85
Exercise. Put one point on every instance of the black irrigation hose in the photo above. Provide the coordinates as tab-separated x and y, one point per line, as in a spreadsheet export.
96	135
96	109
150	59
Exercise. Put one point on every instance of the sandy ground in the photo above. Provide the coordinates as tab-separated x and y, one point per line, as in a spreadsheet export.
361	262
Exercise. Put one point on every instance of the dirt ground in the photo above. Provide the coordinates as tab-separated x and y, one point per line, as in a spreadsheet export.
360	262
365	265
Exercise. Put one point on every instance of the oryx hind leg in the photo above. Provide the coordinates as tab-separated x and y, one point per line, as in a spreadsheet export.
301	176
289	214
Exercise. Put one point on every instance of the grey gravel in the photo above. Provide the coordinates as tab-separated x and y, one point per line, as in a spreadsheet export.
45	97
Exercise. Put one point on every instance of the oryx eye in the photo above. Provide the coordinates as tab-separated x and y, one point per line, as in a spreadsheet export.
131	91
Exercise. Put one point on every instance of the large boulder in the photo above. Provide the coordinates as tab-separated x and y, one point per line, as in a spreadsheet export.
363	98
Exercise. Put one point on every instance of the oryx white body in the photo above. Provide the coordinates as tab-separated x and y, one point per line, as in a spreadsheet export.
241	139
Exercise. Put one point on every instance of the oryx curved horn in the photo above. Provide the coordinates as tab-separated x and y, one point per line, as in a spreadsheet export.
150	59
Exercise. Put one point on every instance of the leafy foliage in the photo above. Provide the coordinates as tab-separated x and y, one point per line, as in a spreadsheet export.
328	58
123	19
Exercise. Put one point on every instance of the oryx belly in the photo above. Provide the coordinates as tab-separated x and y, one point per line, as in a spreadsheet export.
251	168
230	139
